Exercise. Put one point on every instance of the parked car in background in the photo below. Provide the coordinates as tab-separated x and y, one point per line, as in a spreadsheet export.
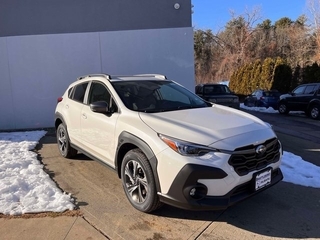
165	143
263	98
218	93
305	97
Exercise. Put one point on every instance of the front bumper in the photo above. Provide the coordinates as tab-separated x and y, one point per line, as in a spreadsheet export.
192	195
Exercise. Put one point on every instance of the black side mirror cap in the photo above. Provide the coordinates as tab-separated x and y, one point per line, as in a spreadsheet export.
100	107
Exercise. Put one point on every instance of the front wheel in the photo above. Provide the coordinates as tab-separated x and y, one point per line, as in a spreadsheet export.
63	142
138	181
282	108
315	111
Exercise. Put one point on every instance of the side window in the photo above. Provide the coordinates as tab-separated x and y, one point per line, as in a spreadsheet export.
70	92
208	90
79	92
98	92
299	90
310	89
258	94
226	89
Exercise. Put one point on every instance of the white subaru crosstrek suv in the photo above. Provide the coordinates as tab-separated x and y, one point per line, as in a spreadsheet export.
167	144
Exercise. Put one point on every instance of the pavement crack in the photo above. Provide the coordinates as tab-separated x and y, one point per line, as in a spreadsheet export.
197	237
102	233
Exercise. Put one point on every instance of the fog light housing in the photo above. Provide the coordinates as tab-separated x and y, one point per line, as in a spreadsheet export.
196	192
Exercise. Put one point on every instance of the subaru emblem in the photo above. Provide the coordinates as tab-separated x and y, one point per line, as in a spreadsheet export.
261	149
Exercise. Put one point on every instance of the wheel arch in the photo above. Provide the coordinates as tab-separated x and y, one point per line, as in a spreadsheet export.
313	102
128	141
58	120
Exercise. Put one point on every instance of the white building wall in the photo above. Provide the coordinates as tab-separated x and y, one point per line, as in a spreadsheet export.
36	69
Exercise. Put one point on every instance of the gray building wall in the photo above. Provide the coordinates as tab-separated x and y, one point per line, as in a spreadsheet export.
31	17
46	44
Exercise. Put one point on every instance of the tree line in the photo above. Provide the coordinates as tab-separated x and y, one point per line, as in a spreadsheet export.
260	55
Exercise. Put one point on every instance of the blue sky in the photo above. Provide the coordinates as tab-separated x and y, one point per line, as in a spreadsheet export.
214	14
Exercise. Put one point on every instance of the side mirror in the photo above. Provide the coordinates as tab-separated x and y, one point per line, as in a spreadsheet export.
100	107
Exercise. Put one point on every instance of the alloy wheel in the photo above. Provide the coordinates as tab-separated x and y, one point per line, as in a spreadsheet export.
62	140
314	113
283	108
136	181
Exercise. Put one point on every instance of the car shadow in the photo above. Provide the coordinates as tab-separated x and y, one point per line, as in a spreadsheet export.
283	211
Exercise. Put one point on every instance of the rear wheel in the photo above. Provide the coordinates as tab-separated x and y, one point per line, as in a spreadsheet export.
63	142
315	111
138	181
282	108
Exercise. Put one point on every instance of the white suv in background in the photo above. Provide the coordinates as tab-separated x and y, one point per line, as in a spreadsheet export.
167	144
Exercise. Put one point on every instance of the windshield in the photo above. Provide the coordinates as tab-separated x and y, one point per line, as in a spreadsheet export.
156	96
216	89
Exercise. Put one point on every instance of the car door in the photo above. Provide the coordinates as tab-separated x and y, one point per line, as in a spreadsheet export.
72	111
307	96
294	100
98	129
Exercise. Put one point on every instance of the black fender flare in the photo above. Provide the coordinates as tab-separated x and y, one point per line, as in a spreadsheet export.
60	117
128	141
312	102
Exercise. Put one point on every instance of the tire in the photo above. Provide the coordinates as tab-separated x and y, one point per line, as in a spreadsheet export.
314	112
282	108
138	181
64	143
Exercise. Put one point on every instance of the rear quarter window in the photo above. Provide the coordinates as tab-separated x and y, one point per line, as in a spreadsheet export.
78	92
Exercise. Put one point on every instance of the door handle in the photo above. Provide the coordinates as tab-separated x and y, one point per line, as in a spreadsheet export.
84	115
67	106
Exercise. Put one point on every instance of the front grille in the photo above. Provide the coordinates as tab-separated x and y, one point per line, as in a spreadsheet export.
245	159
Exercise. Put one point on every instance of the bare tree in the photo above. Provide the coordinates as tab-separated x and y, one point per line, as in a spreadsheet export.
314	9
235	41
244	40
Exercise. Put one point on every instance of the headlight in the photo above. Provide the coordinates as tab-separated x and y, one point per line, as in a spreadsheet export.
186	148
236	100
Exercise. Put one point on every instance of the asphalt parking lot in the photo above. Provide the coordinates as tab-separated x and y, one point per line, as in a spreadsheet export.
285	211
281	212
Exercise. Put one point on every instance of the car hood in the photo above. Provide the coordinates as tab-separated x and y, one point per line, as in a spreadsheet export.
283	96
207	125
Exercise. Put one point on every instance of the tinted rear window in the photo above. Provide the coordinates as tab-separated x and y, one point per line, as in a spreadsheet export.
271	94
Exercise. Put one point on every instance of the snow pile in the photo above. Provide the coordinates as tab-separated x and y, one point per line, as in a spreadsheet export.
259	109
24	186
300	172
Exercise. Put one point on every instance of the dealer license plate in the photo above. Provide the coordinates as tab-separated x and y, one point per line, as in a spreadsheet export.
263	179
